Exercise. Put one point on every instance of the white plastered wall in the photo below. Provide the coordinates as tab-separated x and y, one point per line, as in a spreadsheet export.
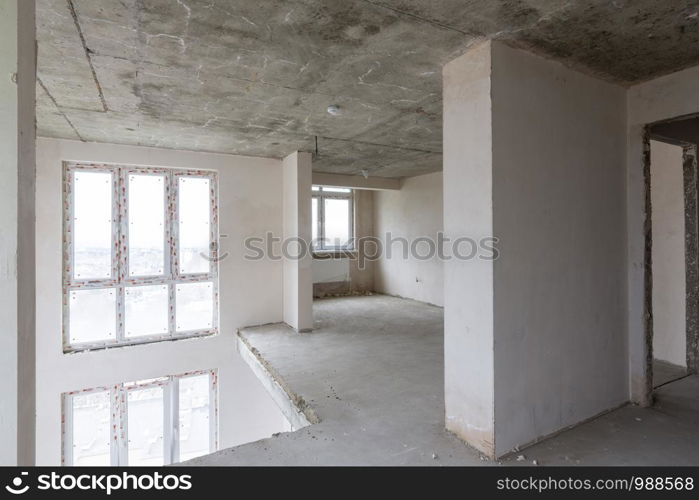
17	284
558	196
250	197
416	211
535	156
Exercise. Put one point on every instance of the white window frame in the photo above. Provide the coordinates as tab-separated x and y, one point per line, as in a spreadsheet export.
118	396
320	245
120	279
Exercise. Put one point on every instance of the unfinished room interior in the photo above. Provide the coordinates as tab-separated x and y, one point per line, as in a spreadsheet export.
349	232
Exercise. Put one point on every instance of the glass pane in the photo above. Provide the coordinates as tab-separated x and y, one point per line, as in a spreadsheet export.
314	220
194	225
315	188
91	429
146	310
146	225
336	190
195	306
195	412
337	218
92	225
145	426
92	315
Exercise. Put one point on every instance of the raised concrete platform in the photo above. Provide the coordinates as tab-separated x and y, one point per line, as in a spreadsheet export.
372	373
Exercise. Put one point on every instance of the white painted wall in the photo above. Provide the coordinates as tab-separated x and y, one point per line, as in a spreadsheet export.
414	211
558	196
250	203
17	288
666	97
669	273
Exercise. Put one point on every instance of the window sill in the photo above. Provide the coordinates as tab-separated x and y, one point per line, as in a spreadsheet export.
78	348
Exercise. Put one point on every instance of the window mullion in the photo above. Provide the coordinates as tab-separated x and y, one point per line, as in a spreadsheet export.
119	438
321	220
171	424
67	437
122	234
213	411
173	235
214	251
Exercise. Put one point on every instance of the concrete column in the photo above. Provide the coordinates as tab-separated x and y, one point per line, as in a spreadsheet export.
298	279
534	155
17	180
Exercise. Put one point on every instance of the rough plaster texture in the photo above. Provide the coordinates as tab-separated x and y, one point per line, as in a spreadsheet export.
413	212
546	177
250	191
669	291
373	373
296	234
663	98
256	77
17	267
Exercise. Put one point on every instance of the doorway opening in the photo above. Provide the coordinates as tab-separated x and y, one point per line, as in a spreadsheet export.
671	250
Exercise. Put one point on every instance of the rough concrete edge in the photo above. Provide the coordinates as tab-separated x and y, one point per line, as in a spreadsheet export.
296	410
517	449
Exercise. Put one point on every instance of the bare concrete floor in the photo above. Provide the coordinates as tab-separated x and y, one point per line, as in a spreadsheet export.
373	372
664	372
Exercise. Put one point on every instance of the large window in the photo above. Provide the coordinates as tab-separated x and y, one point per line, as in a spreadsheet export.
140	255
332	218
153	422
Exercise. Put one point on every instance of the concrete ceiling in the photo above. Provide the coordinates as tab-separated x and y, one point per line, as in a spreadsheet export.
255	77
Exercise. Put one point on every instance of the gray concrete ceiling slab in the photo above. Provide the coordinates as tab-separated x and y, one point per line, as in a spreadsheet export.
256	77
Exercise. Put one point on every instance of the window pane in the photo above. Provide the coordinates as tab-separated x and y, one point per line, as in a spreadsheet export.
146	225
336	222
194	214
195	414
314	220
92	315
315	188
145	426
195	306
92	225
336	190
91	429
146	310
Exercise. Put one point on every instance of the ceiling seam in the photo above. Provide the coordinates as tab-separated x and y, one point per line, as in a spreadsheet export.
74	14
419	18
60	111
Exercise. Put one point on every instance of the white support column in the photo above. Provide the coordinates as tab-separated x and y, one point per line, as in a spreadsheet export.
298	280
17	179
468	284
